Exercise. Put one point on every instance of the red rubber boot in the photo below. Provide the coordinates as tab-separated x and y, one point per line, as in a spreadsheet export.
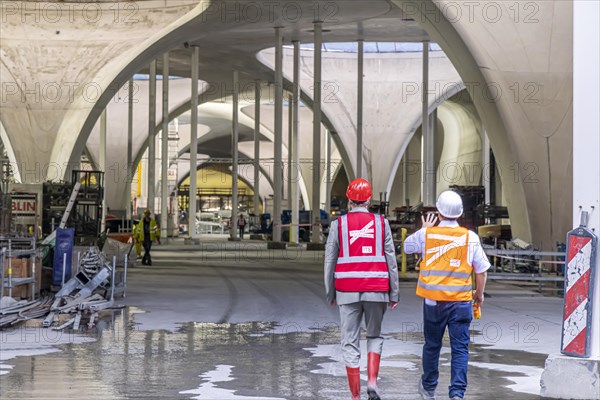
373	372
354	382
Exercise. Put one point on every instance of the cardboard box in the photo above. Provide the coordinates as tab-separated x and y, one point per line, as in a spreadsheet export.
22	268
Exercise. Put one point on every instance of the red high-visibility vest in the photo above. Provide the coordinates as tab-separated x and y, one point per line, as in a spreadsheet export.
361	265
445	274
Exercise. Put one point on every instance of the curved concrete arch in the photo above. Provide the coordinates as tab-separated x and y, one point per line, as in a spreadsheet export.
529	131
391	107
62	77
242	178
435	103
10	153
186	150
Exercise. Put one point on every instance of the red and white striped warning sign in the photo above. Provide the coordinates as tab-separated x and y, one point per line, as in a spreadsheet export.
577	307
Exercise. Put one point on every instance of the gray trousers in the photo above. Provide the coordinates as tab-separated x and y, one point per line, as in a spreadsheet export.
351	316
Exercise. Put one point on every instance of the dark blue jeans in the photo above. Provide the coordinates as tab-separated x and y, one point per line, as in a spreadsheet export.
457	316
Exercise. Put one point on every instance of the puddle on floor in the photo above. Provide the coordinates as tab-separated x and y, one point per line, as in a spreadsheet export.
255	360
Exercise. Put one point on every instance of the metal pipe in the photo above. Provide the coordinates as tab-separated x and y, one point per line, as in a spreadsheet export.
112	283
328	171
234	156
164	157
359	110
316	162
295	145
9	268
151	181
192	206
130	169
403	231
256	145
278	130
2	272
64	270
405	178
125	276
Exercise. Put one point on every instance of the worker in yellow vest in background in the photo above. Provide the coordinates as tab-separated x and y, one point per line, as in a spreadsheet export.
450	254
146	232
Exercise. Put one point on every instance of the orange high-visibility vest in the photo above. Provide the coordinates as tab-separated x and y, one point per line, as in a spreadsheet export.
361	264
445	274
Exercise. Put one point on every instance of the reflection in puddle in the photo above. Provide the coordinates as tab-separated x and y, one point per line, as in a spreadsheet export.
208	390
249	361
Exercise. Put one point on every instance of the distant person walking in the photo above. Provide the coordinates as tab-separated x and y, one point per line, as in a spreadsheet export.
241	223
450	255
361	276
146	233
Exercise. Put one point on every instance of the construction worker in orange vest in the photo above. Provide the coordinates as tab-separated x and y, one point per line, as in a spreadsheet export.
450	254
361	276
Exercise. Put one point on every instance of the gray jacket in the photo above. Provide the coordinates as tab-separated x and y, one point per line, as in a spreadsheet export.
332	250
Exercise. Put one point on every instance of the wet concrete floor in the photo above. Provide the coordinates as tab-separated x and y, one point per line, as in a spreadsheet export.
220	356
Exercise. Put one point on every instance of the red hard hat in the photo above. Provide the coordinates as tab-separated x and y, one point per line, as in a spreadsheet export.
359	190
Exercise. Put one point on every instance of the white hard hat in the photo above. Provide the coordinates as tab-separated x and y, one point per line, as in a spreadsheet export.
449	204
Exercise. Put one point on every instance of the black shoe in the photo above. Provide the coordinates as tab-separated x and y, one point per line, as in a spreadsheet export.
144	262
373	394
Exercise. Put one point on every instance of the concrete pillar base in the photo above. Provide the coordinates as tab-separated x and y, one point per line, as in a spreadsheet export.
234	239
315	246
191	241
570	378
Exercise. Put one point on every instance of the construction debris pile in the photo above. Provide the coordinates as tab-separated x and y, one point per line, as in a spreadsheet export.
89	292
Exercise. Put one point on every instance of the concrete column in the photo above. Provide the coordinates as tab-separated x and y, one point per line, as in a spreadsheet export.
194	144
295	146
359	110
582	374
164	157
151	137
102	162
316	181
485	160
277	164
290	174
256	145
130	166
428	147
405	178
328	172
234	157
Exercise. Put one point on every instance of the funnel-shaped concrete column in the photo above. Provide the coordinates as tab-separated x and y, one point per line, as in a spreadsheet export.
256	144
316	162
277	164
102	161
582	373
192	207
428	152
128	178
151	183
294	145
359	112
234	156
164	151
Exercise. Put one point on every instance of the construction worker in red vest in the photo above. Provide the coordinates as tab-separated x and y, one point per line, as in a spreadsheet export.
361	276
450	255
